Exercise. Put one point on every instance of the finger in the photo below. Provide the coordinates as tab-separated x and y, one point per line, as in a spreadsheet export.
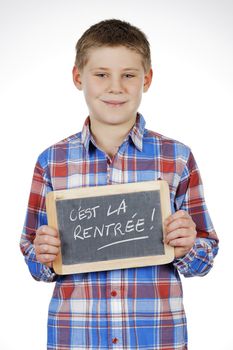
179	233
179	223
46	258
49	240
47	230
177	215
46	249
185	243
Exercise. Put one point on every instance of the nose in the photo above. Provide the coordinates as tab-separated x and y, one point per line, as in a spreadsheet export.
115	86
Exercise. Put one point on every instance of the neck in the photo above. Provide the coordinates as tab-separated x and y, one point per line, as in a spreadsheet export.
109	137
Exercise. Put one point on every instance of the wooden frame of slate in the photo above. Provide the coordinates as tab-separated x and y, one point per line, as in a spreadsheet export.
110	227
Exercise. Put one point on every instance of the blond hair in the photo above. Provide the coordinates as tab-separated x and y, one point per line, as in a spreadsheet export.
112	33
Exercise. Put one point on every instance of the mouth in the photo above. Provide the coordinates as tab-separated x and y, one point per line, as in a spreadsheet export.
113	103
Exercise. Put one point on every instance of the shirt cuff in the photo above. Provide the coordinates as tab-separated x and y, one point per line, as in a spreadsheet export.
39	271
199	260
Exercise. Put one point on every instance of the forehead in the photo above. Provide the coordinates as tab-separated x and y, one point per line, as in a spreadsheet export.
113	57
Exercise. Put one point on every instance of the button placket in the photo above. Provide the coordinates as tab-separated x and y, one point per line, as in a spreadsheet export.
115	307
108	170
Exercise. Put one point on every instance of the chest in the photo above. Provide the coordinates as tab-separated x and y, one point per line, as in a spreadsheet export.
77	169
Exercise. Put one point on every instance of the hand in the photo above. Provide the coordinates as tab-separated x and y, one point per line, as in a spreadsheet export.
180	232
47	245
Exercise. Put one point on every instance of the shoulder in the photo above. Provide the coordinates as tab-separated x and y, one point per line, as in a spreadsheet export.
61	150
166	146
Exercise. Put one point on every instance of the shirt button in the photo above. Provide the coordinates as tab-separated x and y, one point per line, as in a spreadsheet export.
113	293
115	340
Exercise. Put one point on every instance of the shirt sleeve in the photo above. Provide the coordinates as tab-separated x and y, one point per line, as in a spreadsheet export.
190	197
35	217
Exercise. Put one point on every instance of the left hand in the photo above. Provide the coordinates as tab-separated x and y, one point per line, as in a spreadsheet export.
180	232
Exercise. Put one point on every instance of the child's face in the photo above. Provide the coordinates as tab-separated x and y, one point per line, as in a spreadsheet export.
113	81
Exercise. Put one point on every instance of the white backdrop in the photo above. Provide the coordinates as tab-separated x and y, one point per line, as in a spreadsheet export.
190	100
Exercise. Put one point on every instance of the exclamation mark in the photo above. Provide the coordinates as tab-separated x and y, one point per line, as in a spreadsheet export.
152	218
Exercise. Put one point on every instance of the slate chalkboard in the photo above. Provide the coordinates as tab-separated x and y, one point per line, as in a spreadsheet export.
119	224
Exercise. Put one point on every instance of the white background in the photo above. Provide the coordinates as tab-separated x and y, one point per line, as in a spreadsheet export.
190	100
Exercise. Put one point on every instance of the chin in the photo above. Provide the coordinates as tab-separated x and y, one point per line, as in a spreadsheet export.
116	121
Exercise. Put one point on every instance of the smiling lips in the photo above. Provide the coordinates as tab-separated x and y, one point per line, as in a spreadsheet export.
114	103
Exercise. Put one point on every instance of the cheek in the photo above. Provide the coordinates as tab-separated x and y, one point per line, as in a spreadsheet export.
136	93
136	89
90	92
93	90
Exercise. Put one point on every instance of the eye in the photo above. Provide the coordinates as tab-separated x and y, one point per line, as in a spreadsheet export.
129	76
101	75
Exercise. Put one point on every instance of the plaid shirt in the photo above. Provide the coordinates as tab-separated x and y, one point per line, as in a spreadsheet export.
137	308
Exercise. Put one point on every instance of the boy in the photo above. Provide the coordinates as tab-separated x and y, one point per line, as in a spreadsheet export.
137	308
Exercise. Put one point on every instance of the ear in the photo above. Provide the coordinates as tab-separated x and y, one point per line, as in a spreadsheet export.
77	78
147	80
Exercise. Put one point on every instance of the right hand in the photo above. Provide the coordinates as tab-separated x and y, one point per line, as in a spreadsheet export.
47	245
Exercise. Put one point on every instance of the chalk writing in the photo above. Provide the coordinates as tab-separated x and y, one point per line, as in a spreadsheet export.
80	214
124	241
114	229
122	208
110	227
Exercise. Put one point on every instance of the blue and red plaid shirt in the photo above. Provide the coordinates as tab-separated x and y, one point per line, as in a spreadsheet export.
137	308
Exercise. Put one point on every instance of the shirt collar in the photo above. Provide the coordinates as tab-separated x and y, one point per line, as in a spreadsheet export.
136	133
86	134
